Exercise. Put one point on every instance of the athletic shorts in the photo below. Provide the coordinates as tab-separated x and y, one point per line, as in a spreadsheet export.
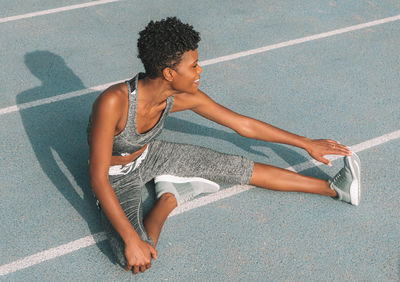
160	158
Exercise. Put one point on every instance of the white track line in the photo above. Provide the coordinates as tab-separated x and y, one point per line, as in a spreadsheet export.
99	237
56	10
56	98
67	173
226	193
300	40
52	253
209	62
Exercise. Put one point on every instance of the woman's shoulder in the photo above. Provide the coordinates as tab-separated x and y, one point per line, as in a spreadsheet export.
189	101
111	103
114	96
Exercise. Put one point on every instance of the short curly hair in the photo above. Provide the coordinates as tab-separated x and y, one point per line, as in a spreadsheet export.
162	43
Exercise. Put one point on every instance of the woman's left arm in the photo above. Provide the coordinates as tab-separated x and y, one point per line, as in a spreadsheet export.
255	129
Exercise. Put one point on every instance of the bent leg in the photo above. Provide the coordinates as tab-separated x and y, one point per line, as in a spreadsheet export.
156	218
128	189
166	158
279	179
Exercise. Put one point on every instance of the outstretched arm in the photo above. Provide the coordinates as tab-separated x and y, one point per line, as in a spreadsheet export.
252	128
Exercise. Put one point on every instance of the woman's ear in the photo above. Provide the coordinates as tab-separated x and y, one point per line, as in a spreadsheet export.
168	74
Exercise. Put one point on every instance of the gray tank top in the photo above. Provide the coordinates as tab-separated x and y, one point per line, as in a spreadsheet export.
129	140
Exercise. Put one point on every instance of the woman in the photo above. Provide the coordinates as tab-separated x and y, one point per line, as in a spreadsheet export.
124	154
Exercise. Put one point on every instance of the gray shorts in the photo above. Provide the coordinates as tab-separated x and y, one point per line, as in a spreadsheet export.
175	159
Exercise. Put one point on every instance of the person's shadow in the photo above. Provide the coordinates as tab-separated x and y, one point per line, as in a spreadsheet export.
57	132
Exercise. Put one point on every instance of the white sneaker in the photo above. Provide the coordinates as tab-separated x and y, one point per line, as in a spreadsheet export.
183	188
347	182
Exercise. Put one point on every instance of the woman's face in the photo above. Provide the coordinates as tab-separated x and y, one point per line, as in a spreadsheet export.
187	73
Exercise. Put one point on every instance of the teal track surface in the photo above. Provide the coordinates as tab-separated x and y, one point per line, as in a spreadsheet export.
343	86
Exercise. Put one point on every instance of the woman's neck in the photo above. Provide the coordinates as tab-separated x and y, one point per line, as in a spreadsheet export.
154	92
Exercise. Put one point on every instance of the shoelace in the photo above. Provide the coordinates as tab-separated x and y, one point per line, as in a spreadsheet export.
339	177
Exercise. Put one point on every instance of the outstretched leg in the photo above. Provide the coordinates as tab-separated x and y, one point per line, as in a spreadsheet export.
264	176
279	179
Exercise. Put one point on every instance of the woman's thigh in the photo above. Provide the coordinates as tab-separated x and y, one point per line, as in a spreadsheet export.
195	161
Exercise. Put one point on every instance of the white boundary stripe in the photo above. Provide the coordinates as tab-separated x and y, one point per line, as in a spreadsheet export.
300	40
56	98
52	253
226	193
56	10
199	202
209	62
67	173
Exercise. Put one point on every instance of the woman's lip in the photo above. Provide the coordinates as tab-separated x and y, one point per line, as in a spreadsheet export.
197	81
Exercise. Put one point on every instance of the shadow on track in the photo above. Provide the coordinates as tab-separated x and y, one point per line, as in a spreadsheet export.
57	133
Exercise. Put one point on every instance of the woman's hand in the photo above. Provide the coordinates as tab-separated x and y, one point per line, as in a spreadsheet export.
138	256
318	148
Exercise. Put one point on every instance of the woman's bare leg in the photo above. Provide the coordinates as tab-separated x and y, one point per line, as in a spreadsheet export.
279	179
155	219
264	176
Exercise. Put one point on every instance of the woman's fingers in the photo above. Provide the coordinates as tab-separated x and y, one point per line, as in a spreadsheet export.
334	147
324	161
136	268
340	149
128	267
153	251
322	147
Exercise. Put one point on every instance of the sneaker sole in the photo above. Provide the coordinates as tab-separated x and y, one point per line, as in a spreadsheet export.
355	187
177	179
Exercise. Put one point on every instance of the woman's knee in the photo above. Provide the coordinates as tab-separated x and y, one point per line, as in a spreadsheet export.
168	199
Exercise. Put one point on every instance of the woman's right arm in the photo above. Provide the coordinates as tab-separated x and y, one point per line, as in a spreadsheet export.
105	116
